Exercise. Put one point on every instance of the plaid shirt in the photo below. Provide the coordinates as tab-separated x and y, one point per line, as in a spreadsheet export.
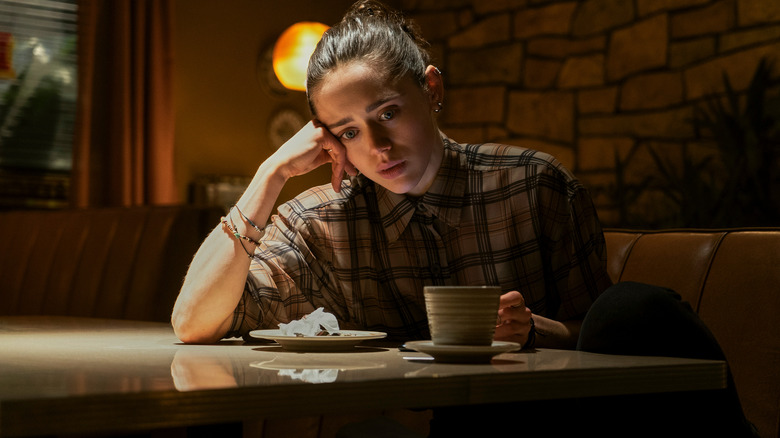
494	215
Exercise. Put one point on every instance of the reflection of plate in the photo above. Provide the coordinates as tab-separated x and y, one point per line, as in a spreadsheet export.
314	368
282	362
347	340
462	353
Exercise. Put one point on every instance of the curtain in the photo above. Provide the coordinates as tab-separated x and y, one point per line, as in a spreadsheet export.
123	146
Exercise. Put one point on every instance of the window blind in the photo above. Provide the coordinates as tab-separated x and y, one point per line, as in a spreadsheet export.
38	89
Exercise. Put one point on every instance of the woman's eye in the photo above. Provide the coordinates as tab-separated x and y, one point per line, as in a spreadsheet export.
387	115
348	135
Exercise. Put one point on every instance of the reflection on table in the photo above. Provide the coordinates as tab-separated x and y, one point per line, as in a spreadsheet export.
71	375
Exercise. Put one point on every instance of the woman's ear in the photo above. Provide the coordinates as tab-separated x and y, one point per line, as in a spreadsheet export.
435	87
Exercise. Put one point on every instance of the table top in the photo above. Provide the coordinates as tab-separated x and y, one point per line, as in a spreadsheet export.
76	375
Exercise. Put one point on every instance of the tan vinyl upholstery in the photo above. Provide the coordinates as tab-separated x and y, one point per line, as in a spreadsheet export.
123	263
732	279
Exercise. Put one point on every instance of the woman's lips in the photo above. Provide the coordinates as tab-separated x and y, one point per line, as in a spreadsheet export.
391	169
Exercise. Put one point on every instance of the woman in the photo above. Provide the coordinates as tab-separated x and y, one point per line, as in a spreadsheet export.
420	209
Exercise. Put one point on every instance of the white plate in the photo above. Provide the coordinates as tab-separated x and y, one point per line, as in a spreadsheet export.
462	353
345	341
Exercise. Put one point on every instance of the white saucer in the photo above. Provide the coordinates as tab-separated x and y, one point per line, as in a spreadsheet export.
346	341
463	353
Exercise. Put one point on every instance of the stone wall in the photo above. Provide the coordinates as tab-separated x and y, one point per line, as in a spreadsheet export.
600	84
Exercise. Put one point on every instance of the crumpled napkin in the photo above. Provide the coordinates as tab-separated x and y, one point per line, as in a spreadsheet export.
310	324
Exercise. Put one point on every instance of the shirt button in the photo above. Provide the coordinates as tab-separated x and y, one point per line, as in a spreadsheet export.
421	208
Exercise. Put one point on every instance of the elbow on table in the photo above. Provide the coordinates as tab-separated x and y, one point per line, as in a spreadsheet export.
190	331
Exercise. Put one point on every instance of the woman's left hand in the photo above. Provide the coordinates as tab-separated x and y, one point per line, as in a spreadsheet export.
340	164
514	319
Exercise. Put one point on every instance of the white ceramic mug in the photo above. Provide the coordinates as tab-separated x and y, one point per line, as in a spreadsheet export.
462	315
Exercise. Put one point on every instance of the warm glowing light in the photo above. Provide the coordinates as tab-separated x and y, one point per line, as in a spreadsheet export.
293	50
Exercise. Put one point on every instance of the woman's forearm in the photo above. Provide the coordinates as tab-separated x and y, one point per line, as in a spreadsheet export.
215	280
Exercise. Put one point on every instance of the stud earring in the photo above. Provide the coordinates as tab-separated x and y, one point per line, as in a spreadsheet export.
439	108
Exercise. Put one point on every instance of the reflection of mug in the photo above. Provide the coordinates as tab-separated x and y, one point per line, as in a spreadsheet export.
462	315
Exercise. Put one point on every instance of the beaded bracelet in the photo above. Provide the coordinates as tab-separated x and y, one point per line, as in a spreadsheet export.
249	221
239	236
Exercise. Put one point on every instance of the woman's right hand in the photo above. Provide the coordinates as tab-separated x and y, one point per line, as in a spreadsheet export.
215	281
311	147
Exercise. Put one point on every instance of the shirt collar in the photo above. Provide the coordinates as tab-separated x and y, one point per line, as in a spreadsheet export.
444	199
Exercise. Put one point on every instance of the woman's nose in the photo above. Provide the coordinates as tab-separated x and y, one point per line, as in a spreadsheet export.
379	140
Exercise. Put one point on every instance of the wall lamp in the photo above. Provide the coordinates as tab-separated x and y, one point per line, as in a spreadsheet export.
292	51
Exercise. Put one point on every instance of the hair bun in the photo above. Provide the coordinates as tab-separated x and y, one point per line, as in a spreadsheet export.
368	8
378	10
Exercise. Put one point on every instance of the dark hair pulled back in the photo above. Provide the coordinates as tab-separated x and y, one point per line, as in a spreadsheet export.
371	33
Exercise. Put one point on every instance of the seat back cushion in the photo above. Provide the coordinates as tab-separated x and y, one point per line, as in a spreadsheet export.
115	263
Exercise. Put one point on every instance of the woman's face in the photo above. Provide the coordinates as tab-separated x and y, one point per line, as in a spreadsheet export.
386	125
